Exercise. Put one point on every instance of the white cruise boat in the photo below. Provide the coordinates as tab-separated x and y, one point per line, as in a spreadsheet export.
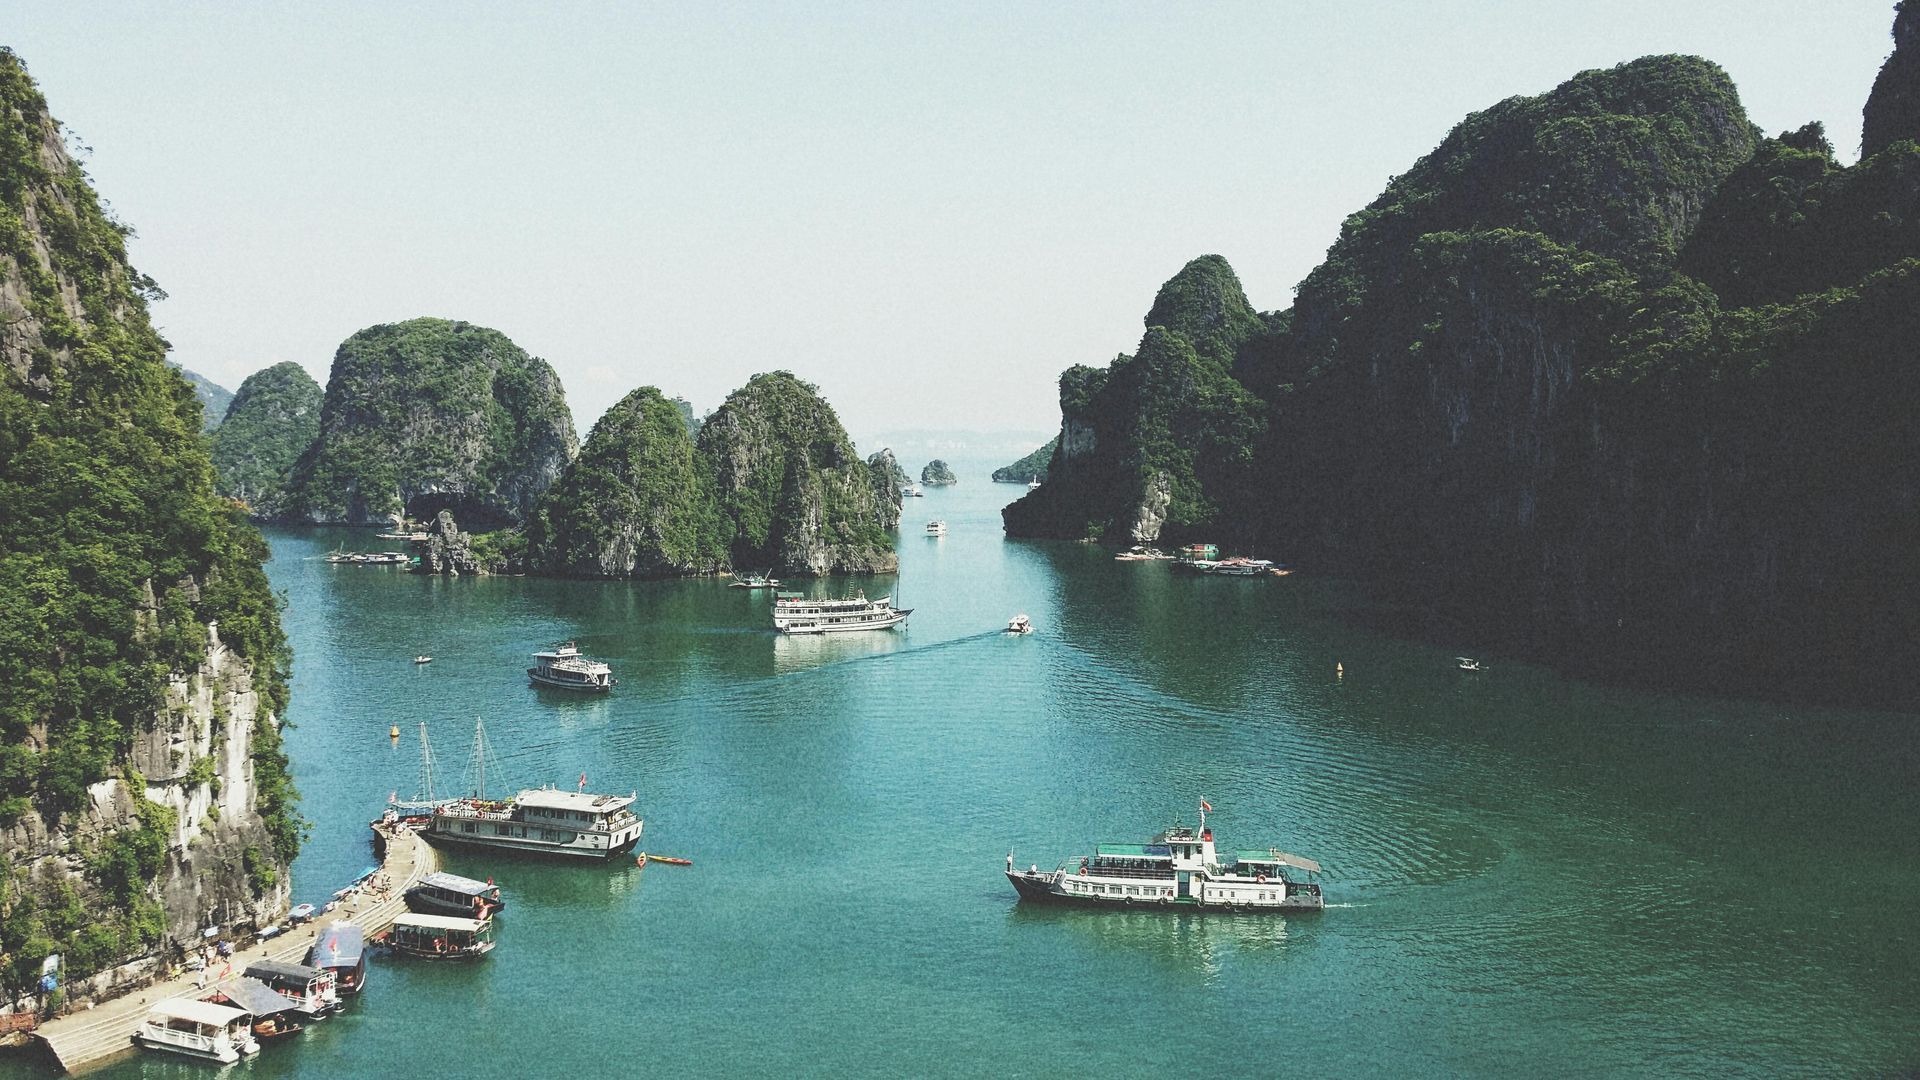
799	615
198	1029
936	528
1179	870
912	491
565	669
540	821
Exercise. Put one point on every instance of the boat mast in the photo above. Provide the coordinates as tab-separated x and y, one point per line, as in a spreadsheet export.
478	766
426	764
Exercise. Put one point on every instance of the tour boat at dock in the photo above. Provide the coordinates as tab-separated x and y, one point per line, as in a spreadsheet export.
1179	870
198	1029
540	821
450	894
439	937
341	948
565	669
314	991
793	614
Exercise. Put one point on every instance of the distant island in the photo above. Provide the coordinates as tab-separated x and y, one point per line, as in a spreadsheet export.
1028	469
938	473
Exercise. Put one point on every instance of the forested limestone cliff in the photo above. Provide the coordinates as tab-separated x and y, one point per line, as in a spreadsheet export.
792	489
272	419
638	501
1030	468
430	415
1607	378
142	783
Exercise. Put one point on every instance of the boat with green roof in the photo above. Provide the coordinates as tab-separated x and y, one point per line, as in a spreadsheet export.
1180	868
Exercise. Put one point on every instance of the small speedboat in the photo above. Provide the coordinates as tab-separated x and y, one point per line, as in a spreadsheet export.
669	860
275	1028
1019	624
423	659
1468	663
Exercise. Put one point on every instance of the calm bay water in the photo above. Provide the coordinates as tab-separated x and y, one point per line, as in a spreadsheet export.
1529	876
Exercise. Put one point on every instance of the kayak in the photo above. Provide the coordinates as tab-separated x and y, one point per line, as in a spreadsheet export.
670	860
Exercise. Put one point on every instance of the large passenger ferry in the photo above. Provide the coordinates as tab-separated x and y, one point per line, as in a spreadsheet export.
540	821
565	669
794	614
1179	869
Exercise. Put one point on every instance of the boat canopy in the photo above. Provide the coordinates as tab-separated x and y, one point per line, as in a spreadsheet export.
439	922
1278	858
278	969
1132	851
341	946
580	801
196	1012
454	883
253	995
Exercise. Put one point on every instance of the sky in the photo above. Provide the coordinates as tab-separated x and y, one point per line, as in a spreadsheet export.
929	210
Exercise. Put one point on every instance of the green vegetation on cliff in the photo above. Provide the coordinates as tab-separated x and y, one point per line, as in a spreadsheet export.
1030	468
274	417
1605	378
636	502
1159	438
794	492
430	415
115	552
1893	109
214	398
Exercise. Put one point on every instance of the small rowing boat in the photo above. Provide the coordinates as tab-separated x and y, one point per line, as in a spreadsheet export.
669	860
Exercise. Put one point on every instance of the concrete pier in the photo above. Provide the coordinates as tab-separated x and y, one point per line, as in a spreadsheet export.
89	1037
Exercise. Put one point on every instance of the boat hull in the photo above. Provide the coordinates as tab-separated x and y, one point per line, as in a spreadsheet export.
535	676
537	849
891	620
1048	889
425	903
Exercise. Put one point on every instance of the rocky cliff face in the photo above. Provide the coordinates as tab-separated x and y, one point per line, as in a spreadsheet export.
794	494
888	481
937	473
1893	109
274	417
141	780
637	502
432	415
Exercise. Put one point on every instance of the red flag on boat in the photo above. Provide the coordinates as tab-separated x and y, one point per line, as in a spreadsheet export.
1207	806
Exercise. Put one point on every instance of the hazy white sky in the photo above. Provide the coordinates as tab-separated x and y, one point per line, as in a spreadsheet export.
929	210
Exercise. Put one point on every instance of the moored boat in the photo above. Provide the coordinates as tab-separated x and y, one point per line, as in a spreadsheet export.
755	581
540	821
341	948
936	528
1179	869
564	668
451	894
199	1029
794	614
269	1009
439	937
314	991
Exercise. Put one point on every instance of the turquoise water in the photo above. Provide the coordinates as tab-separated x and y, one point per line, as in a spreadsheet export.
1529	876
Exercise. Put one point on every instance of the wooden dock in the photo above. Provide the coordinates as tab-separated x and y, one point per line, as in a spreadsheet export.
89	1037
